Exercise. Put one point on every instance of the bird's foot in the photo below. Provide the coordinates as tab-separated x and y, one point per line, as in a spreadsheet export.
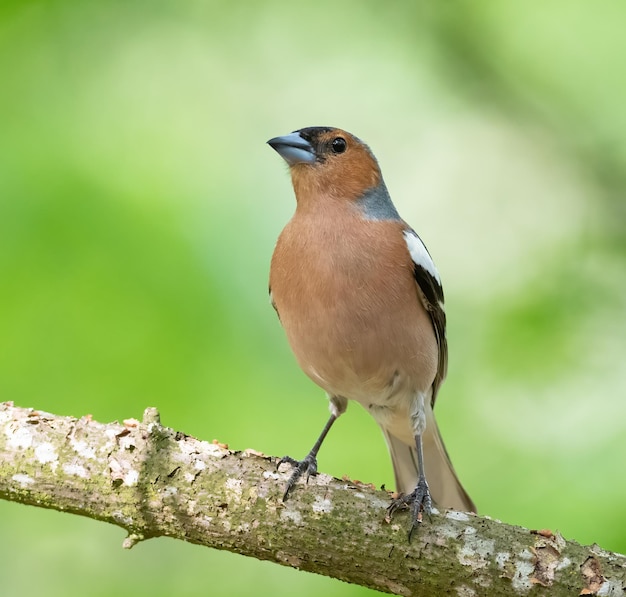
420	501
308	466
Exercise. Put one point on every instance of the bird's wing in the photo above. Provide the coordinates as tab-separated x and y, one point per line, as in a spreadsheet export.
431	293
273	303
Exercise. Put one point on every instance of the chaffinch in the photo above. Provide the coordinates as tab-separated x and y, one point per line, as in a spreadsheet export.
362	305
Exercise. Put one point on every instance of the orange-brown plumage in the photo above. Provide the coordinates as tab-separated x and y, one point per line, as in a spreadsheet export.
361	303
345	180
348	290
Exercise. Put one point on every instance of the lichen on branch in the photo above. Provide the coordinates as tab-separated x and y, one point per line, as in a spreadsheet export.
153	481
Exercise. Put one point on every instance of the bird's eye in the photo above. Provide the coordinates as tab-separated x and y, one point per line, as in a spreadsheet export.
339	145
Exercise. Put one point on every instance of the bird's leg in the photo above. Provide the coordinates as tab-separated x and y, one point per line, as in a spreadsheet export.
309	464
419	498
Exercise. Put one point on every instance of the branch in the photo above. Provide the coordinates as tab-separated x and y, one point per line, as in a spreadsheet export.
153	481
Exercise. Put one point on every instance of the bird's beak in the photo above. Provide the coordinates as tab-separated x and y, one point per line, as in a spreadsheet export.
293	149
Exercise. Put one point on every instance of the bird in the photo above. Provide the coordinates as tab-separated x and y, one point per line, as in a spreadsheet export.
362	306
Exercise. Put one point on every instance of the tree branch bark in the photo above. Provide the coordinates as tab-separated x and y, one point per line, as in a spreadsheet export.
153	481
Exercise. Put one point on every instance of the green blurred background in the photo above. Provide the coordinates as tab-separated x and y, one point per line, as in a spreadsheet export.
139	206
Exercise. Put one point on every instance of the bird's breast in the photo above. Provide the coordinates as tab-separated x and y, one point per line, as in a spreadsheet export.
348	302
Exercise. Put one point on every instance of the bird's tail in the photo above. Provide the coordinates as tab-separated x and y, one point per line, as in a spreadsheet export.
445	487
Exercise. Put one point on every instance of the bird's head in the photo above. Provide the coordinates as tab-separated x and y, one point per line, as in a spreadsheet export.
329	162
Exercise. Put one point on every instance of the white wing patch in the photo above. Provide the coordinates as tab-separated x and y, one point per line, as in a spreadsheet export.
420	255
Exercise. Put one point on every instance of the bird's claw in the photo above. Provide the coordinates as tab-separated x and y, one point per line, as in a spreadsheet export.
308	466
420	501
